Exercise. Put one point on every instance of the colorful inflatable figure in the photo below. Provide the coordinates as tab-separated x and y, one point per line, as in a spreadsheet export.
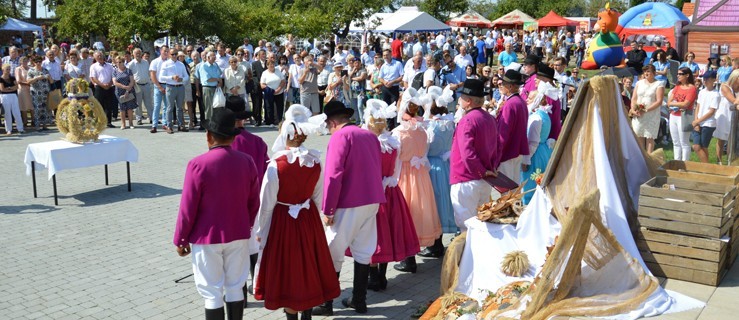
605	48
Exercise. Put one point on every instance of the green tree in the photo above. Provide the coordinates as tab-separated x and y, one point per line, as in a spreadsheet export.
12	8
442	9
595	5
314	17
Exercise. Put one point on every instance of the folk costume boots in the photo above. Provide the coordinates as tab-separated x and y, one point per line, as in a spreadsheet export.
306	315
358	301
435	251
215	314
235	310
291	316
407	265
377	278
327	308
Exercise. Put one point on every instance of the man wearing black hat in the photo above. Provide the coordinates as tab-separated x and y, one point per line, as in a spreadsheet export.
352	193
474	154
546	74
530	67
255	147
513	117
218	228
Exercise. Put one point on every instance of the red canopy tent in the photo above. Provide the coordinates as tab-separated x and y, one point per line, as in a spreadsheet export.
554	20
470	19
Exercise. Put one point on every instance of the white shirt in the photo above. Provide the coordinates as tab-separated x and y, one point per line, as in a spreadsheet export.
234	78
440	40
156	66
708	100
272	80
294	71
171	68
54	68
85	65
463	61
73	71
430	75
140	71
409	66
222	61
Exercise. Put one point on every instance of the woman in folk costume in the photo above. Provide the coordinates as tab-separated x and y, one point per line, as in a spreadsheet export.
295	269
396	234
415	181
539	126
440	133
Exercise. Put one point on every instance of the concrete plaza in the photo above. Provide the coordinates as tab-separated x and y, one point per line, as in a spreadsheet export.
105	253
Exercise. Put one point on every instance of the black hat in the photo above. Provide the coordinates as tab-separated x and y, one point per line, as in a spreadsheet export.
238	106
336	107
532	59
223	122
512	76
545	71
474	88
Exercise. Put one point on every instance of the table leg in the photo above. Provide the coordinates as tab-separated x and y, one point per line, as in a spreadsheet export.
106	174
33	176
56	200
128	175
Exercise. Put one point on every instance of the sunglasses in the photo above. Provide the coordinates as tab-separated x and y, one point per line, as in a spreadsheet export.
680	74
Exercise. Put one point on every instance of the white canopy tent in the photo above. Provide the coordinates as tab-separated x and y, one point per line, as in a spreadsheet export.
13	24
405	20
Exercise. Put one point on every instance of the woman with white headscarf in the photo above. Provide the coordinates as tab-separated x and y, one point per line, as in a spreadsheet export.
294	253
415	181
440	133
396	234
539	126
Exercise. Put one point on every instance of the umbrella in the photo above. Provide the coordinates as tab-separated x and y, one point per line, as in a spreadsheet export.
619	72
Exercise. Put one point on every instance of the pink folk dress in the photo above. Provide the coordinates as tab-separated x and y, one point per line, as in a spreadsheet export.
415	181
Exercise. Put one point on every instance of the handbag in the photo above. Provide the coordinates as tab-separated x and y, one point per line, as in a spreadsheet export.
54	99
126	97
686	118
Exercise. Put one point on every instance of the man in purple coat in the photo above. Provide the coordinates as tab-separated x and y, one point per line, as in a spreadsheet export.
220	200
546	74
513	119
352	193
529	68
255	147
474	154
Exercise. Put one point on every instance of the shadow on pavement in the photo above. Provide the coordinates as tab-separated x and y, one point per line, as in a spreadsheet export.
120	193
27	209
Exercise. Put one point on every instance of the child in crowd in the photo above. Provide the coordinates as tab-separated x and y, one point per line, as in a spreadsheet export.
705	123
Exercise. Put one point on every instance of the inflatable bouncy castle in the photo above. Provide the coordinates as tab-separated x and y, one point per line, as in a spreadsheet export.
605	48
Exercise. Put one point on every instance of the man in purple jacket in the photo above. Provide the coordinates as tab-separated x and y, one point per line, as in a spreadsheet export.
255	147
474	154
513	119
352	193
220	200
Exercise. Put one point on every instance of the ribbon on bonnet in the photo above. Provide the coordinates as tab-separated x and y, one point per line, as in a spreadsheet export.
298	117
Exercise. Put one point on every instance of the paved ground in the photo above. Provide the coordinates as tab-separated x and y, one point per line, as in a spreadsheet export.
105	253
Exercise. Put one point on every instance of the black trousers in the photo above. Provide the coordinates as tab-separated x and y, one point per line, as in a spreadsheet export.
274	107
196	101
390	95
490	54
257	103
320	97
107	99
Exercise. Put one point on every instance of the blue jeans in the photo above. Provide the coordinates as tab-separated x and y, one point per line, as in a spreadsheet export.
159	99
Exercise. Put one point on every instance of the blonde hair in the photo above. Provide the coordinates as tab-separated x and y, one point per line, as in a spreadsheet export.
733	78
6	65
726	59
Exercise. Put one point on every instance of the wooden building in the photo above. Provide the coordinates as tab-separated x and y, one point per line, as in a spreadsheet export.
714	29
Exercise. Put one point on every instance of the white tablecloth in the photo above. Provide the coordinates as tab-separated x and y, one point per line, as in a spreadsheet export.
63	155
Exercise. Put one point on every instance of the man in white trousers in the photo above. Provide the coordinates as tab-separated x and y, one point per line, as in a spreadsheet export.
219	228
474	154
352	193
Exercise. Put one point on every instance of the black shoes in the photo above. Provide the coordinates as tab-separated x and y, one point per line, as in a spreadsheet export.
306	315
326	309
407	265
359	307
435	251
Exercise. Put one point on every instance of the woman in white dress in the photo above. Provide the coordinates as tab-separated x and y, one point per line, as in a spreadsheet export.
645	105
726	107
